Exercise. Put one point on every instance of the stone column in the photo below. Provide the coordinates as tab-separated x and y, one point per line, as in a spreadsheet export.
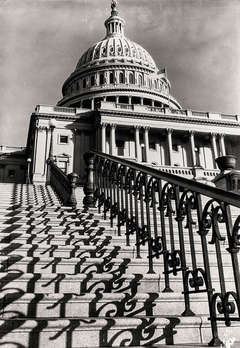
192	143
214	148
137	144
129	100
169	137
117	100
146	143
141	101
222	145
103	137
92	104
113	139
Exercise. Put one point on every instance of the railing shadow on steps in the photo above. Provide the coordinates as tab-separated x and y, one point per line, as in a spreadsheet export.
191	226
63	184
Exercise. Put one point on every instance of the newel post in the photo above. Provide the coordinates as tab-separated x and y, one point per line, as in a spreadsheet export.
73	178
88	189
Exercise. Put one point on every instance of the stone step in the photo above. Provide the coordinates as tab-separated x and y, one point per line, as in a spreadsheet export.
81	264
108	332
70	246
80	283
96	305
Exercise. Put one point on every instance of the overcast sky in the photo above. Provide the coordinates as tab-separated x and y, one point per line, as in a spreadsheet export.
41	41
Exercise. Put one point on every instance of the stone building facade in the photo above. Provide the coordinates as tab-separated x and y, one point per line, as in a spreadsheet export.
118	101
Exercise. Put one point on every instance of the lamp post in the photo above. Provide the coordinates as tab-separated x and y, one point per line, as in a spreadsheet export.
29	160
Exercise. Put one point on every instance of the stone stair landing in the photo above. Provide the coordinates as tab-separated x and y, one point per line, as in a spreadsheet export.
68	280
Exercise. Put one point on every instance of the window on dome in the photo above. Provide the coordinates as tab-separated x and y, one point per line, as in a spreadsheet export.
101	79
92	80
111	77
131	78
121	78
140	80
84	83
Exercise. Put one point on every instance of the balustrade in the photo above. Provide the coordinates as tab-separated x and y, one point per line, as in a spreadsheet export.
64	185
191	227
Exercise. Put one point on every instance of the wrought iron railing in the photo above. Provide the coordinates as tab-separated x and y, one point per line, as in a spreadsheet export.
63	184
192	228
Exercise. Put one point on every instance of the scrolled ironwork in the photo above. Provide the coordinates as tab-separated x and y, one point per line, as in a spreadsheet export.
186	224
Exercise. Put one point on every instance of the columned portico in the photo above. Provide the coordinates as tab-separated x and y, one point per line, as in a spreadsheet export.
192	143
103	137
169	141
214	148
146	143
113	139
137	144
222	145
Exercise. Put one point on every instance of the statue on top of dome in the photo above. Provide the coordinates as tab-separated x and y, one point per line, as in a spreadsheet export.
114	7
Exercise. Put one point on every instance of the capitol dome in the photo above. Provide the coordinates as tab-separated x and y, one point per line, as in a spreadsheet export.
114	68
116	47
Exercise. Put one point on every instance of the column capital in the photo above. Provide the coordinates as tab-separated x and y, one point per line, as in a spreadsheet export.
42	128
146	128
103	125
76	131
137	127
112	125
191	132
221	135
169	130
213	134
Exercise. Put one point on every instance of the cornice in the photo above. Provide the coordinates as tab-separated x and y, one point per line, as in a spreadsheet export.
159	117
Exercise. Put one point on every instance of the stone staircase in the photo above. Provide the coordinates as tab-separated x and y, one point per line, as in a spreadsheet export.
68	280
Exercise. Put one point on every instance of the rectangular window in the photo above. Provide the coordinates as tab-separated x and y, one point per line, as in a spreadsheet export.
120	147
11	173
63	166
152	146
175	147
63	139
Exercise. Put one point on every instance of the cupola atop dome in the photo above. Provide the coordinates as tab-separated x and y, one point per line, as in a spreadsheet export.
114	24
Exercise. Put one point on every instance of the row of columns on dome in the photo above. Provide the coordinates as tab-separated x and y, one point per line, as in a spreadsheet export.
93	102
142	143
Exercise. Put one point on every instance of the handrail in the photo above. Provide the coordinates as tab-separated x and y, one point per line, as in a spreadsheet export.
179	220
210	191
63	184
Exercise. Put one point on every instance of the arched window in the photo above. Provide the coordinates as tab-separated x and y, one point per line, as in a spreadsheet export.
140	80
101	79
150	83
121	77
92	80
84	83
131	78
111	77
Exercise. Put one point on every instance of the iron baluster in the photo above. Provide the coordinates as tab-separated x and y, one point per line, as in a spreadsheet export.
234	245
148	220
179	218
161	209
136	207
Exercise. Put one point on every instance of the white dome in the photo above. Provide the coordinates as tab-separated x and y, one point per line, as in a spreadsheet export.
117	47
